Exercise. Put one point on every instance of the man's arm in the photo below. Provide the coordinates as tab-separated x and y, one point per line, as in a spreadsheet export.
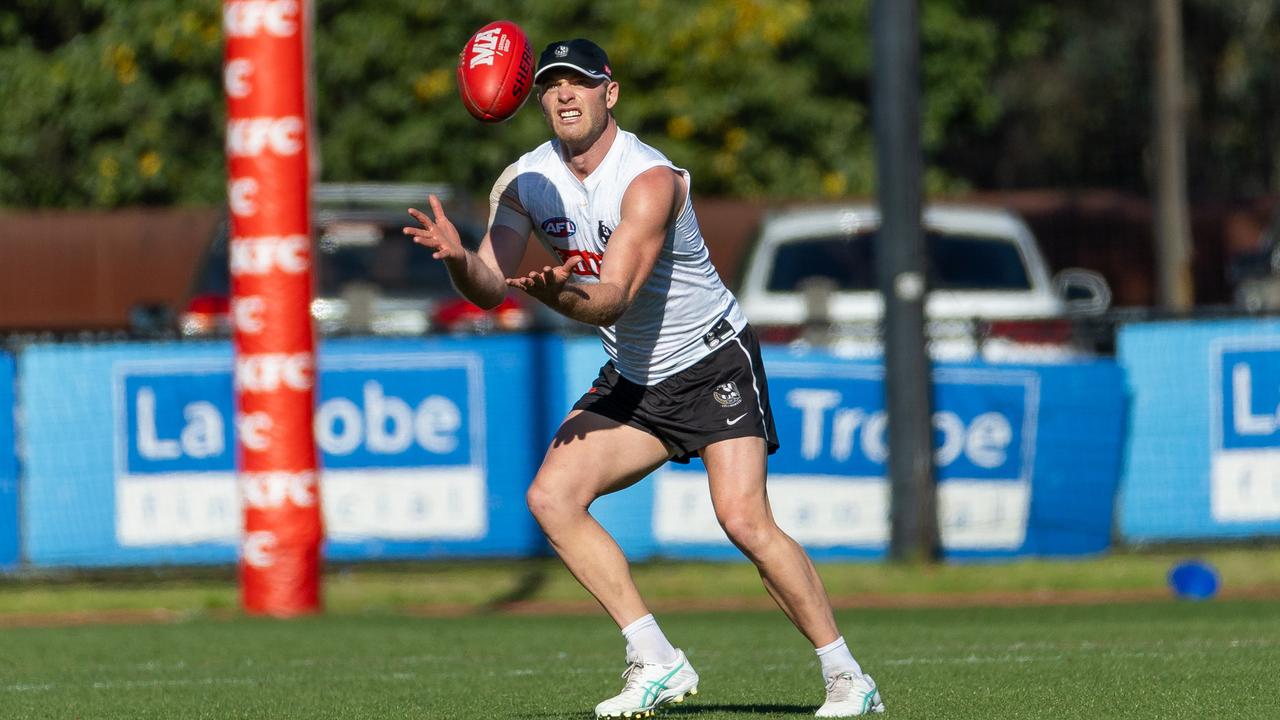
479	276
649	208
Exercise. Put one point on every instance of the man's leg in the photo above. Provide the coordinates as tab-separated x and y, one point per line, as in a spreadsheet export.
592	456
737	469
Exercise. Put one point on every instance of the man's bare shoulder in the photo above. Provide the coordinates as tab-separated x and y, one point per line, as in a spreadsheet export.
659	183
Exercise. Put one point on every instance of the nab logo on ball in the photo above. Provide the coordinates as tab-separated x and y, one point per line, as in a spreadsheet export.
495	71
486	46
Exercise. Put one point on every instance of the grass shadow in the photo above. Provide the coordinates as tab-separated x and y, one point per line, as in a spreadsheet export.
697	709
745	708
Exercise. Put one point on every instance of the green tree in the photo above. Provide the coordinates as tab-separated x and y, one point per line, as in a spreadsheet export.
1075	107
120	103
110	103
1233	134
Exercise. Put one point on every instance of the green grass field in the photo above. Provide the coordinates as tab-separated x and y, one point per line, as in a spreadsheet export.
1094	638
362	588
1141	660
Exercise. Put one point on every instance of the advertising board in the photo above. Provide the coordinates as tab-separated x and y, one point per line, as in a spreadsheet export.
414	436
8	468
1203	457
1027	459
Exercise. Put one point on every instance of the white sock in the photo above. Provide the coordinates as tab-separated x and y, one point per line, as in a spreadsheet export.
646	639
836	658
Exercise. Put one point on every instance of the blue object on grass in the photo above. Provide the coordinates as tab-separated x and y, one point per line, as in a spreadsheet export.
1194	580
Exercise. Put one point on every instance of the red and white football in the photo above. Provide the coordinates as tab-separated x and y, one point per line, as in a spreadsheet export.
495	71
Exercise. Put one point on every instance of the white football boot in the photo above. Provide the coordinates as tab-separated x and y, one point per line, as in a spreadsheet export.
850	695
649	685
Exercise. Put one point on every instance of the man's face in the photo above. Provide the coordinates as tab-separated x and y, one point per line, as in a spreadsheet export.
576	106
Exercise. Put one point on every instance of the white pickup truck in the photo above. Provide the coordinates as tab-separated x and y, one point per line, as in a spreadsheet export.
990	294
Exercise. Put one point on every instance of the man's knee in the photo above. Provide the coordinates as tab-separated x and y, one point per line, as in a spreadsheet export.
750	530
541	500
549	501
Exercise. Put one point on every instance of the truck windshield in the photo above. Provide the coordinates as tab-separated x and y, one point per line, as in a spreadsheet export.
387	259
956	262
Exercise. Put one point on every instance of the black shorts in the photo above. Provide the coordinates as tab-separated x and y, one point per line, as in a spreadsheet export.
724	395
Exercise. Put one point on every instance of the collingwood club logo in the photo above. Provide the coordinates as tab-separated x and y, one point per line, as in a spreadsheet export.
562	50
727	394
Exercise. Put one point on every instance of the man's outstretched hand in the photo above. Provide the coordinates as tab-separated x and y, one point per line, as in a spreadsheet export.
438	235
546	284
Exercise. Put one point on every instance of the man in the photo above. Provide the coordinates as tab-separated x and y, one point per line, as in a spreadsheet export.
684	376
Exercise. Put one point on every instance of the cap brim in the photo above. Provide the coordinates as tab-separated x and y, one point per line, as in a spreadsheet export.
571	66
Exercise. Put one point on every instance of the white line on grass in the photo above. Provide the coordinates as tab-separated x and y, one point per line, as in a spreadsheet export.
1007	653
29	687
207	681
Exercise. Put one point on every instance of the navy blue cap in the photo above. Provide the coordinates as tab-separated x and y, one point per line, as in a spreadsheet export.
578	54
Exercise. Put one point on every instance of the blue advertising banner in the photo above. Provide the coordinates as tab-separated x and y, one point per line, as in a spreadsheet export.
1204	449
427	447
417	449
8	469
1028	461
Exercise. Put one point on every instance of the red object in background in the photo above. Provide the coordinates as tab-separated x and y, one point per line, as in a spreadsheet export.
205	315
779	334
209	305
495	71
1047	331
461	316
268	193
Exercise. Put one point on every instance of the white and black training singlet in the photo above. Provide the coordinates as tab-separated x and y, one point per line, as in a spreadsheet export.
663	330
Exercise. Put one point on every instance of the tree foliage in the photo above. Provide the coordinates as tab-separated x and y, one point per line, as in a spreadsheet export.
119	103
110	103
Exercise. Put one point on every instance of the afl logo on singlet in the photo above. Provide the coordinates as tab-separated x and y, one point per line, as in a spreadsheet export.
559	227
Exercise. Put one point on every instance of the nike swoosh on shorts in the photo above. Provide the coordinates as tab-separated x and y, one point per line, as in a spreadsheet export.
735	420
